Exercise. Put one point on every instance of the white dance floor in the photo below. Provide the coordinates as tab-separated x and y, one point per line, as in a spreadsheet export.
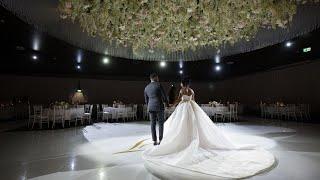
108	145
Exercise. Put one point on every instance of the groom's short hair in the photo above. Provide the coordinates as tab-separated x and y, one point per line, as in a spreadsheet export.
153	76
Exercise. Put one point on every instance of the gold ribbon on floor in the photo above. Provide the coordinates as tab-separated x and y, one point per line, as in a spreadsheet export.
136	147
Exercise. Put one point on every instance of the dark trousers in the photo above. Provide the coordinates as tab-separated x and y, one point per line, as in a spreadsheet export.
154	117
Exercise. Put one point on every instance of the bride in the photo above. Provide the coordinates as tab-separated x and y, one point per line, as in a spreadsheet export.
193	147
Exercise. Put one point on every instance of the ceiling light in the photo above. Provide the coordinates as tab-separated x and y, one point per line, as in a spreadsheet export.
217	59
36	43
181	64
78	67
34	57
105	60
288	44
163	64
79	56
181	72
218	68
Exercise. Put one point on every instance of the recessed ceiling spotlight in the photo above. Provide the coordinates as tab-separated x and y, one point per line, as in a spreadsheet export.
288	44
79	56
163	64
181	72
36	42
105	60
218	68
34	57
78	67
217	59
181	64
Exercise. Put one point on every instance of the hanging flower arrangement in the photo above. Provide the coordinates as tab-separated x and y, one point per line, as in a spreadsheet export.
178	25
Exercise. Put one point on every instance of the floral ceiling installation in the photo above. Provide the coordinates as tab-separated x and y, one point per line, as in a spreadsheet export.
178	25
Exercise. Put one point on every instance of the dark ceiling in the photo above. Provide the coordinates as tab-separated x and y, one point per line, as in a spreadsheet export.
44	15
20	42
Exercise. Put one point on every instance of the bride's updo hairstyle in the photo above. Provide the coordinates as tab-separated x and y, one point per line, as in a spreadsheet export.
185	81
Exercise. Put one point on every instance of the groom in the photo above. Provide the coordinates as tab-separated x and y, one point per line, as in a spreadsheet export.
155	98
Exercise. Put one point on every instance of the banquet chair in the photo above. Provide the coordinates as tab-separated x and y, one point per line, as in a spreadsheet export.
282	113
99	112
87	114
208	110
307	111
263	110
291	112
106	113
58	115
135	111
78	116
39	116
236	111
304	111
230	114
132	112
219	113
270	111
30	116
122	114
145	112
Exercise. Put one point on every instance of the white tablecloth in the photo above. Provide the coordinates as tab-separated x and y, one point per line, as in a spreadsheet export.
212	110
115	111
68	113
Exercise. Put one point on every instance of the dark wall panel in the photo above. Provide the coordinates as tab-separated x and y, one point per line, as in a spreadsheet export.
299	84
50	89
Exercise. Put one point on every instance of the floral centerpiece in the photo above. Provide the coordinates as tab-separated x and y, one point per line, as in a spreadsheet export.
60	103
213	103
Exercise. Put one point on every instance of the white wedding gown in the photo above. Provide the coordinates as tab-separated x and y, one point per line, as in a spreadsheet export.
193	147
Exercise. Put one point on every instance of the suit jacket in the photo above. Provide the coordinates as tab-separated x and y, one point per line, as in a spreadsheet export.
155	97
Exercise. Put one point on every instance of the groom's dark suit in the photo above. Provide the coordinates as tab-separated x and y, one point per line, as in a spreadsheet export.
155	97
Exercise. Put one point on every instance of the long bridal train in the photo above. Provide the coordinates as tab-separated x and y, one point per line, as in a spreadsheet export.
194	148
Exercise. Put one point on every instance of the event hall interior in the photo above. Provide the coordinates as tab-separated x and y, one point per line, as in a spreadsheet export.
234	84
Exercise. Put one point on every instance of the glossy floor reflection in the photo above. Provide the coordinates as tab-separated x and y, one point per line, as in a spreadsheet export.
89	152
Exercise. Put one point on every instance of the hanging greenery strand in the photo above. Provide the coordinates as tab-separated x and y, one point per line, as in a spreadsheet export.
178	25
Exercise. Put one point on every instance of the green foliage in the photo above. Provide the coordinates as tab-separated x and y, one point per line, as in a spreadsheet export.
177	25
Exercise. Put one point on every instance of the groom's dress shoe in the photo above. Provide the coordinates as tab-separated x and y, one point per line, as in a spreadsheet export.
155	143
159	142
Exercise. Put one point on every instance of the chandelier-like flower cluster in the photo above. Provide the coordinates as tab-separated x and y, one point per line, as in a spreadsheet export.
177	25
